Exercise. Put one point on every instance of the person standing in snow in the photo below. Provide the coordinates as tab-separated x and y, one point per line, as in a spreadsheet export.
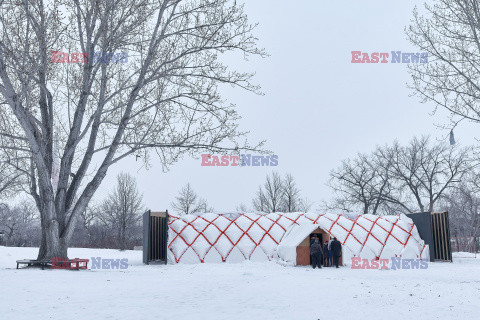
326	256
316	253
336	249
330	256
312	240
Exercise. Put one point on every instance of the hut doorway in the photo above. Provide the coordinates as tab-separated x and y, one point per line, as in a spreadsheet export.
303	249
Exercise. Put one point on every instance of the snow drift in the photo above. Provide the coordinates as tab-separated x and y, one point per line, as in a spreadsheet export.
254	236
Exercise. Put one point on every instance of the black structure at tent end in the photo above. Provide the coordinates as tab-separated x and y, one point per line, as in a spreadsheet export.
434	229
155	237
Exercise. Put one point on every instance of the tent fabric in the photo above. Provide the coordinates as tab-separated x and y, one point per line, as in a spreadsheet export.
215	237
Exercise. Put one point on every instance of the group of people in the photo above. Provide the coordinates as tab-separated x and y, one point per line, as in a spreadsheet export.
327	254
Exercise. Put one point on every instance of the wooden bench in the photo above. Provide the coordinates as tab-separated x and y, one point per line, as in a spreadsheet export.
75	264
78	264
34	263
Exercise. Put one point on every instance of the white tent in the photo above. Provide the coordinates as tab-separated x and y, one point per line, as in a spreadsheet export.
215	237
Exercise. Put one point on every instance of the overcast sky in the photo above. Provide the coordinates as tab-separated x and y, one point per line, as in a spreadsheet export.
318	107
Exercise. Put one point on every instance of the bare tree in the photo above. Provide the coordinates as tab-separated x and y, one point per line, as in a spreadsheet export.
260	202
304	205
463	205
123	209
89	115
89	214
11	181
399	178
204	207
270	197
9	222
17	223
280	195
291	195
427	171
358	185
241	208
448	32
188	202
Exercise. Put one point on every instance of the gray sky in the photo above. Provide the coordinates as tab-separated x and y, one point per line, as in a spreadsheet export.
318	107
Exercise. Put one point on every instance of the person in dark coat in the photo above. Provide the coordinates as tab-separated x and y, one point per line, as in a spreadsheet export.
330	256
336	247
316	251
326	257
312	240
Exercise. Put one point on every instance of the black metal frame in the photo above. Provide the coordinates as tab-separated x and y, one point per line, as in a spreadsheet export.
434	229
441	236
155	237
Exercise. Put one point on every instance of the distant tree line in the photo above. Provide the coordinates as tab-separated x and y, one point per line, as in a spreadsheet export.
422	175
277	194
463	205
19	225
400	178
114	222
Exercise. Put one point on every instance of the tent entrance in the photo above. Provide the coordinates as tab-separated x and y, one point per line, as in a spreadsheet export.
317	236
303	249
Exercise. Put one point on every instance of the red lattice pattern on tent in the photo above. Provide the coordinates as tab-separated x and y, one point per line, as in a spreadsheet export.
212	237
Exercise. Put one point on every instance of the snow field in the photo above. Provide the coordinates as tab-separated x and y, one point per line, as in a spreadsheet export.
248	290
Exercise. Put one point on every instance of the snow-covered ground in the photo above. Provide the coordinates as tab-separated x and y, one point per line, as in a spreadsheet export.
235	291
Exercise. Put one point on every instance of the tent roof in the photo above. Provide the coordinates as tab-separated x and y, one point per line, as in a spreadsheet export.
297	233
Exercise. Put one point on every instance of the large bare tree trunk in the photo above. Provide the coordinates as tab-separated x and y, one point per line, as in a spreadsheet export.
164	99
55	238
